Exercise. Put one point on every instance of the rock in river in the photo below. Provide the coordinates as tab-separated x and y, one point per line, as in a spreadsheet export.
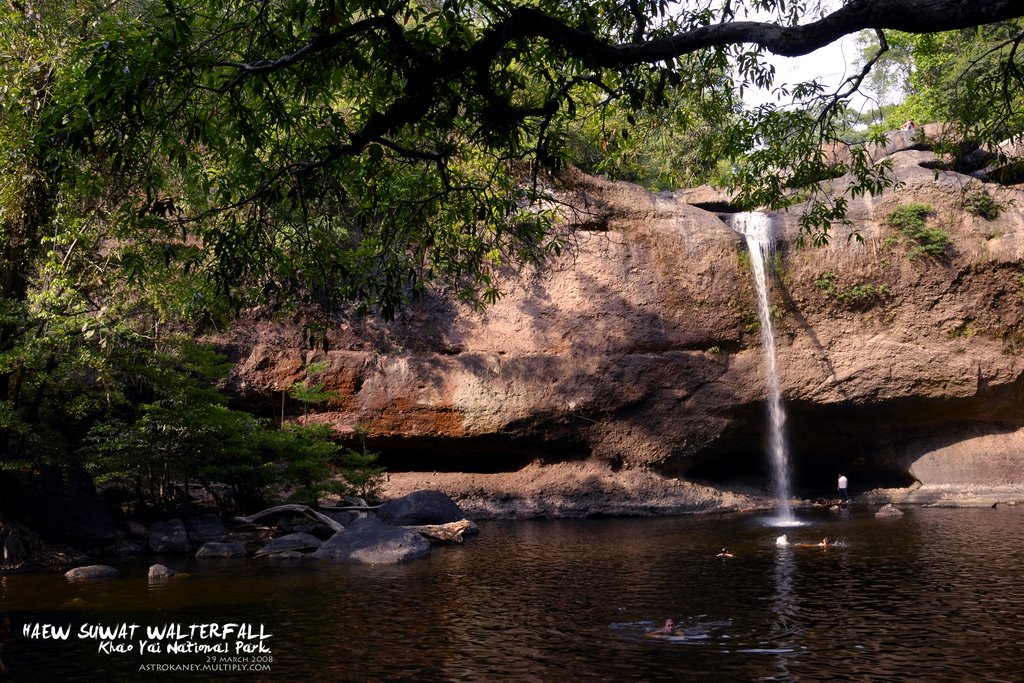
371	541
421	507
92	572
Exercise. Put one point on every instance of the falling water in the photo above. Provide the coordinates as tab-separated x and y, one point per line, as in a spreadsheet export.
757	229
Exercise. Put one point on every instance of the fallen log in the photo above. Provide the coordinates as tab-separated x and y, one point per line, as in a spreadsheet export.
309	512
444	533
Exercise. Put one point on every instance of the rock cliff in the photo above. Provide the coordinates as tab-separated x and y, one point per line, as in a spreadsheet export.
626	377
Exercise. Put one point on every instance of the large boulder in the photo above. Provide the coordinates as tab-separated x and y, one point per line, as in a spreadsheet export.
168	537
92	572
290	543
205	527
420	507
372	541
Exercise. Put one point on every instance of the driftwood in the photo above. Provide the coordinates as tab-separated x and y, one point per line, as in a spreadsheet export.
445	533
309	512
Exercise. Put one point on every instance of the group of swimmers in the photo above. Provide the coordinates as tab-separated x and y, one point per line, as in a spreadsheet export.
671	630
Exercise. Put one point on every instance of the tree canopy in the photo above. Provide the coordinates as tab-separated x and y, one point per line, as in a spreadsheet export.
165	163
363	150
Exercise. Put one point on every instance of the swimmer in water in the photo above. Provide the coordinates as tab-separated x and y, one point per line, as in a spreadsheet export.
724	553
669	629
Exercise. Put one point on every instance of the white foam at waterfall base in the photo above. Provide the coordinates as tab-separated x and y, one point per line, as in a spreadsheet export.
756	228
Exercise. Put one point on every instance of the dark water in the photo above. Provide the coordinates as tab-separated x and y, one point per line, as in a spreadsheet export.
937	595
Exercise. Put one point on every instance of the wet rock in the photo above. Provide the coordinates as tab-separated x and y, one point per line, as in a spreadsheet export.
168	537
372	541
92	572
212	549
136	529
420	507
342	517
160	571
129	548
889	510
288	555
205	527
290	542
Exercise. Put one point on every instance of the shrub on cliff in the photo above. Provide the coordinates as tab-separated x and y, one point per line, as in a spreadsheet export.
911	222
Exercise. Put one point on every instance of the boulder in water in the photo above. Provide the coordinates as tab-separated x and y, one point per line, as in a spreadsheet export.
889	510
371	541
290	543
420	507
92	572
205	527
160	571
213	549
168	537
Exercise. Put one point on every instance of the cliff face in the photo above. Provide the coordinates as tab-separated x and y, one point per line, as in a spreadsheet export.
630	368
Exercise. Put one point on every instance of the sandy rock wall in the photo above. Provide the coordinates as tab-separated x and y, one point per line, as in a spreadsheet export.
638	349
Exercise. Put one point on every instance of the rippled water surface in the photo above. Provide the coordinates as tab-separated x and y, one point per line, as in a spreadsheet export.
937	595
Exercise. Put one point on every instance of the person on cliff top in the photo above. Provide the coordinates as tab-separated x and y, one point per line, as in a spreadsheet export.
843	482
908	125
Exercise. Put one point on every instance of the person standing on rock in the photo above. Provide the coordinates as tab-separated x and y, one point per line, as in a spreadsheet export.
842	488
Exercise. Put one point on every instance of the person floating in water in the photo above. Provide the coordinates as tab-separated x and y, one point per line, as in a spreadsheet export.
666	631
842	484
823	543
724	553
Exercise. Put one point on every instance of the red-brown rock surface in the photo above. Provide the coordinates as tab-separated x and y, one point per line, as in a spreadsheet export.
634	359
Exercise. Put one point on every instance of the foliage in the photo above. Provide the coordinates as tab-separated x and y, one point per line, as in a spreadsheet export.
359	469
856	296
863	293
179	429
911	221
826	282
310	393
969	77
677	144
306	453
981	203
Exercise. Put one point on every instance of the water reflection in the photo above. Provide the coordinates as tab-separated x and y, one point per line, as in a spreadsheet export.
935	595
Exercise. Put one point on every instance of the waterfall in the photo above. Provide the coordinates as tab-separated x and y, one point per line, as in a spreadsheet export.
757	229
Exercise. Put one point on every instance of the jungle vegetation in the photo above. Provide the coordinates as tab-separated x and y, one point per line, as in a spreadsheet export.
166	165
